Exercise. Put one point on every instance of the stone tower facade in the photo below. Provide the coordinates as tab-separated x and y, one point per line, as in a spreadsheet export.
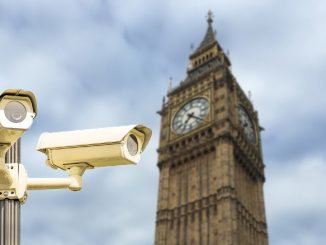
210	157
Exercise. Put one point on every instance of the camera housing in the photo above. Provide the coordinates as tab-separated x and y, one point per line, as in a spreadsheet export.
94	147
18	108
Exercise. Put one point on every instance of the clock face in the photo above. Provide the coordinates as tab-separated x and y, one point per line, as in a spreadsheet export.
190	115
246	124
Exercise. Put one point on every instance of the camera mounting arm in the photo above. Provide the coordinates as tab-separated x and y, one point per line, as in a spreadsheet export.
73	182
15	182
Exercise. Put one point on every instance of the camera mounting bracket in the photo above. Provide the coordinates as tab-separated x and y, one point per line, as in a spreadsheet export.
20	183
16	188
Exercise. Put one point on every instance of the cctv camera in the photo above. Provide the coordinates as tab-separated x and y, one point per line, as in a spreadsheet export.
17	111
95	147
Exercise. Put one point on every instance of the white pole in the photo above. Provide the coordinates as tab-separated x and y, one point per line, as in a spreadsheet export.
10	209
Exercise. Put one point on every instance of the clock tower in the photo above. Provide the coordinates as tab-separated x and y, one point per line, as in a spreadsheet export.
210	157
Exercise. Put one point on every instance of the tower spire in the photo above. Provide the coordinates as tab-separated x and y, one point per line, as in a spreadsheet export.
209	37
210	17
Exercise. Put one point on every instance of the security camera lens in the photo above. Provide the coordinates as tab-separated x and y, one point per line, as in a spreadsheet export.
132	145
15	112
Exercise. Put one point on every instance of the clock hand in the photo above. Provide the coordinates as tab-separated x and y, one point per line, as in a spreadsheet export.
189	116
192	115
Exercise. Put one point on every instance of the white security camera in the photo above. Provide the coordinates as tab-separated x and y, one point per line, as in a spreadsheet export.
74	151
17	110
94	147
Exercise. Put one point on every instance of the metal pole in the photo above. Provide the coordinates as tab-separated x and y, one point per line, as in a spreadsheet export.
10	209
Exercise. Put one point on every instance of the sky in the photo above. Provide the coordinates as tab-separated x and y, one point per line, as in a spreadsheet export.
107	63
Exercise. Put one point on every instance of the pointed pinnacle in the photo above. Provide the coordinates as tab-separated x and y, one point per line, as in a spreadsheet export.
210	16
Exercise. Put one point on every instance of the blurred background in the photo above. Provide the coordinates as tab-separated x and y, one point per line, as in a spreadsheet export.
107	63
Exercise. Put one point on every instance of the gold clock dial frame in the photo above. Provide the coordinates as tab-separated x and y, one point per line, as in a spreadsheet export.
190	115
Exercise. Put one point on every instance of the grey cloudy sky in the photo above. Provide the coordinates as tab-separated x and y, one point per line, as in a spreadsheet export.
106	63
